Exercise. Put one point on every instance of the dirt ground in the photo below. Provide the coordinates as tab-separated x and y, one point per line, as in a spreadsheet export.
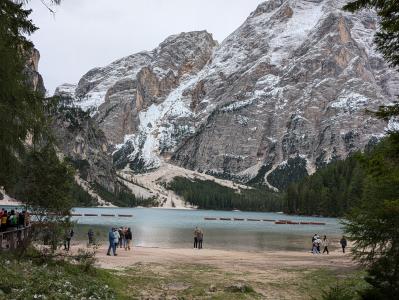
228	260
159	273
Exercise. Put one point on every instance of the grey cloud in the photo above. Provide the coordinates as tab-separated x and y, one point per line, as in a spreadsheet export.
88	33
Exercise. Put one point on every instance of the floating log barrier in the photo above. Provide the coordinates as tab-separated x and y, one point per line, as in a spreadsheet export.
238	219
304	223
253	220
317	223
91	215
292	223
125	216
76	215
280	222
208	218
225	219
267	220
107	215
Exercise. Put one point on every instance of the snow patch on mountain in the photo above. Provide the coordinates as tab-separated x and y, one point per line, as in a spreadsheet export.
155	129
290	35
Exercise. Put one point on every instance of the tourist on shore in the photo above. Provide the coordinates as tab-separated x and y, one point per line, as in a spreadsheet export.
116	239
314	237
90	235
196	237
4	218
316	244
21	219
325	243
200	238
124	238
121	237
13	220
343	243
314	247
112	245
128	237
67	239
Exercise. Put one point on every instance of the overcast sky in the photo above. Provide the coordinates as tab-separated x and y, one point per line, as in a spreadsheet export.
90	33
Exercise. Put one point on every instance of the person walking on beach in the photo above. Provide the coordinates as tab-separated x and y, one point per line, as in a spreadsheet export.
90	235
343	243
196	237
67	239
325	243
314	237
200	238
128	237
121	236
116	240
111	242
314	247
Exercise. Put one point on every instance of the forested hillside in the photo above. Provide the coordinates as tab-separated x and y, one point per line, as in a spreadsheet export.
207	194
342	185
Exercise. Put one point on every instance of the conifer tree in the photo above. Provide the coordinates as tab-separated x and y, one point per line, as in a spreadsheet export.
22	111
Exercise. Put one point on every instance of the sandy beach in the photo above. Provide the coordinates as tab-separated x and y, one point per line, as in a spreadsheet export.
237	260
170	273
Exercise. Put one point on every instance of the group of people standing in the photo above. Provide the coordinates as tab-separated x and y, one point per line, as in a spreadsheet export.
13	219
317	243
119	237
198	238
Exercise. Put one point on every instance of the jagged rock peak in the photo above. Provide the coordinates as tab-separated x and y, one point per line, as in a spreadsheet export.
191	49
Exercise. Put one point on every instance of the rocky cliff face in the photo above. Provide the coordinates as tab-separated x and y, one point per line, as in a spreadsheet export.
85	147
77	135
284	94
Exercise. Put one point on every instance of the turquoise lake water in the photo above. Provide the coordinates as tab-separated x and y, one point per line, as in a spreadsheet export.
173	228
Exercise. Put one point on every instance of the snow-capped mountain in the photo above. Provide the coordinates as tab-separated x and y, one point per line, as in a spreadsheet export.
284	94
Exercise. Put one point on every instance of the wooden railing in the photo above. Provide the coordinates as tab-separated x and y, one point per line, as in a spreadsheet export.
13	239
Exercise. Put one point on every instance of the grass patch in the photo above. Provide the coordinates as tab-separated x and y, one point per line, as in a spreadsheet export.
34	279
320	282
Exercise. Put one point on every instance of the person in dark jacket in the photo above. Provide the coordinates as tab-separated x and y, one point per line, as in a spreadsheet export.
128	237
90	235
121	234
196	232
21	219
343	243
200	238
67	240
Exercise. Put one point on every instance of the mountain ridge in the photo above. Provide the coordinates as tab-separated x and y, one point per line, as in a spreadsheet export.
283	95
